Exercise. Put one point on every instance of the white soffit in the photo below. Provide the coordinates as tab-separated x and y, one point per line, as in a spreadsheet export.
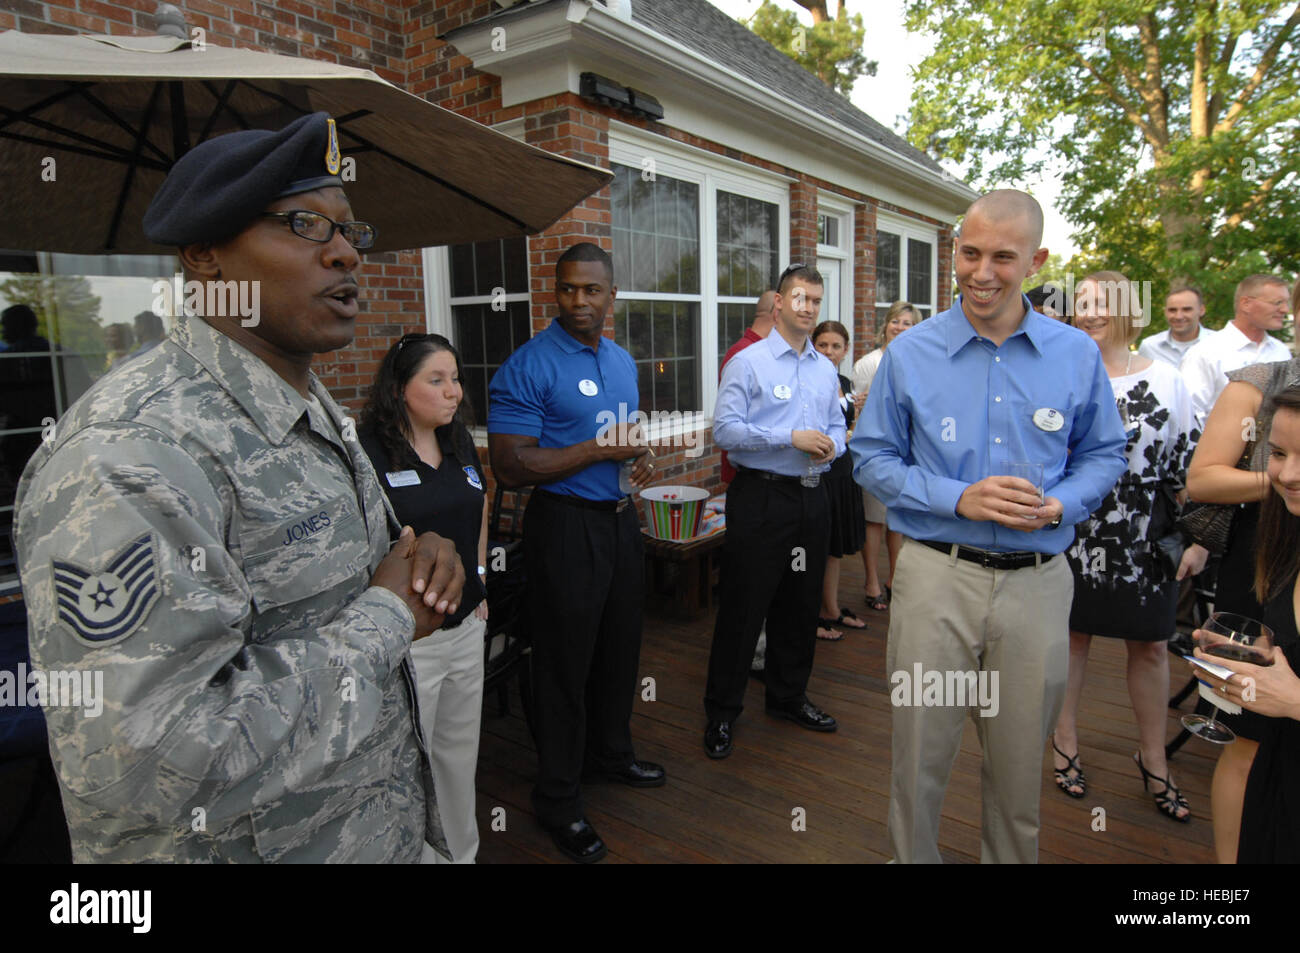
544	52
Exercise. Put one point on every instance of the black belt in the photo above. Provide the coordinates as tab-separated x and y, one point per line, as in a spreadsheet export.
991	560
774	477
613	506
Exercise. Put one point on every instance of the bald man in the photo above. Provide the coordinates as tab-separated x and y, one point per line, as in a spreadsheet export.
989	432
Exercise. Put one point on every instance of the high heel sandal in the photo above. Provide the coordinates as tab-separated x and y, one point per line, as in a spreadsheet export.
1165	804
1063	779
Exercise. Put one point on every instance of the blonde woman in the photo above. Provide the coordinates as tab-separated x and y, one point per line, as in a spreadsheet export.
899	318
1122	586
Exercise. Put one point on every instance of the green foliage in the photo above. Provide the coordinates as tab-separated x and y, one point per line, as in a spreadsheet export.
830	50
1171	171
67	311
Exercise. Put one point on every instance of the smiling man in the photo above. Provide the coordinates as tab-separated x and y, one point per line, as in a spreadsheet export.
1184	311
960	404
582	543
205	530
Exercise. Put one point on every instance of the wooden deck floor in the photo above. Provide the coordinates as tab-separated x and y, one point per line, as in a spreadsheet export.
740	810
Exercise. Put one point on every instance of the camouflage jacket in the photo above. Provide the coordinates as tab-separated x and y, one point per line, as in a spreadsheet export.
204	537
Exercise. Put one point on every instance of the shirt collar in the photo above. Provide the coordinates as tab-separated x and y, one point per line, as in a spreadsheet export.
262	393
777	346
961	332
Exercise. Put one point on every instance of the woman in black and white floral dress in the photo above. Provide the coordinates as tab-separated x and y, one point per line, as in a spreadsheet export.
1122	587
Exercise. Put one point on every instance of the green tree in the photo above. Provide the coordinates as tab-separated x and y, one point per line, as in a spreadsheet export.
1178	123
831	49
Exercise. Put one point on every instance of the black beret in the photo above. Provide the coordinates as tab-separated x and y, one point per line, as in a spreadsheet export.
217	188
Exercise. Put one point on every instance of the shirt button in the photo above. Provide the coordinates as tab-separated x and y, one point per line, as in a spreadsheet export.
997	439
997	400
998	360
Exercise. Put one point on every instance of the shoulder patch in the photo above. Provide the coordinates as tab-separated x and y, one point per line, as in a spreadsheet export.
107	606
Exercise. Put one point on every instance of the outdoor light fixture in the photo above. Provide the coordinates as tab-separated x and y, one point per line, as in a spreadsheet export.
606	91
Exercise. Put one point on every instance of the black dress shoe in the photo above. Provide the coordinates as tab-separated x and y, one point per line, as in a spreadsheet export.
717	739
804	714
638	774
579	842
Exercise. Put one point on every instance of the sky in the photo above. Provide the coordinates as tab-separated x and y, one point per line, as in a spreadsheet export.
886	97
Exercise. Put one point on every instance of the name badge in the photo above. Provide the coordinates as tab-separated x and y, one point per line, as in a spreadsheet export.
1045	418
402	478
471	477
587	387
782	392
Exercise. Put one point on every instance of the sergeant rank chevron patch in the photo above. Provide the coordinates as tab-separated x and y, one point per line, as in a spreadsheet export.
107	606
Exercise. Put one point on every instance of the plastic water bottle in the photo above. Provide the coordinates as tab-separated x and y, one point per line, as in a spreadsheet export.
625	476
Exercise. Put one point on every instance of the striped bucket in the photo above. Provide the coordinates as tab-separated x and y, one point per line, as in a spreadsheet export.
674	511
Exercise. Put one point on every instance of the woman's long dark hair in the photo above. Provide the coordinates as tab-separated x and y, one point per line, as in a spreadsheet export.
385	410
1277	541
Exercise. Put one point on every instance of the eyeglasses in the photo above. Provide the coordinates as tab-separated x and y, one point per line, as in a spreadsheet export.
315	227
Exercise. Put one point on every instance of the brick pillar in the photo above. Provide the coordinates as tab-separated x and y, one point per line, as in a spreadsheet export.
945	276
803	223
864	279
562	124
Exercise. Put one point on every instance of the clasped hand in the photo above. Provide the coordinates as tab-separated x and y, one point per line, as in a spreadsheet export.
1009	501
814	443
426	573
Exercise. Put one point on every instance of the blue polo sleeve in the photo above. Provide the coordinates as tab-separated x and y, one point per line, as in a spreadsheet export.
517	395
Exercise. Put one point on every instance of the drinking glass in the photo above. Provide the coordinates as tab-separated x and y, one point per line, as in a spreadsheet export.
1231	636
1033	472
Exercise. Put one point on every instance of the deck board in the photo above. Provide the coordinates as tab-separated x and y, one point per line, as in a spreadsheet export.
739	810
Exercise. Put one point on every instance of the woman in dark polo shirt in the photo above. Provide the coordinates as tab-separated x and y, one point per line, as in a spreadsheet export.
415	434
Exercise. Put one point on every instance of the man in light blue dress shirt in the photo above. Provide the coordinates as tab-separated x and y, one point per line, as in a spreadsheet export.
979	620
778	417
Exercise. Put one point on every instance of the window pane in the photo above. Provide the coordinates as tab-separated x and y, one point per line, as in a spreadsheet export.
732	321
514	252
888	250
487	267
747	243
664	336
462	271
655	230
919	274
485	338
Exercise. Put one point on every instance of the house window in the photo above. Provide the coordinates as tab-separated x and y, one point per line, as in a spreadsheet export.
828	230
905	268
81	316
656	232
489	311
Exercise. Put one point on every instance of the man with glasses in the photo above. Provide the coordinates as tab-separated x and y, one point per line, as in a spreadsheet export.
778	417
1261	305
204	541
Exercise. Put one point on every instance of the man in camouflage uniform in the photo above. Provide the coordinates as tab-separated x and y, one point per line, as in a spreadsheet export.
205	530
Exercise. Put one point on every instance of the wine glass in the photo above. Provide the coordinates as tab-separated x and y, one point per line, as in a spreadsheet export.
1231	636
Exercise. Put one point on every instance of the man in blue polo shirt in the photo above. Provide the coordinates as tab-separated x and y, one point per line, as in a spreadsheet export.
778	417
961	404
582	542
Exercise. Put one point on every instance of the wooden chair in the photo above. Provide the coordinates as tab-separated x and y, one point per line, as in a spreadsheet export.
507	642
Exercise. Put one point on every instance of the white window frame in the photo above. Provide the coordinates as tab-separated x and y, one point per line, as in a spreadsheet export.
909	228
841	209
630	146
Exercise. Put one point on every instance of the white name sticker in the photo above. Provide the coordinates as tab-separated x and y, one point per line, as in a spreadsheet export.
782	392
402	478
587	387
1045	418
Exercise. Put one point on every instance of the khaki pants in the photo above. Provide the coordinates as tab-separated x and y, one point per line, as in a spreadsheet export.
950	615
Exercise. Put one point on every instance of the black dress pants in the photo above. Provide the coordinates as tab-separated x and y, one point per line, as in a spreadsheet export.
586	579
773	561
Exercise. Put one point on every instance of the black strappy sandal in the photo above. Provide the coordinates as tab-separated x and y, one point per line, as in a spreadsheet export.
1165	804
1064	780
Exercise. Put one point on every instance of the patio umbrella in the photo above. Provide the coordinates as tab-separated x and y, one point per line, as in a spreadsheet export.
89	126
